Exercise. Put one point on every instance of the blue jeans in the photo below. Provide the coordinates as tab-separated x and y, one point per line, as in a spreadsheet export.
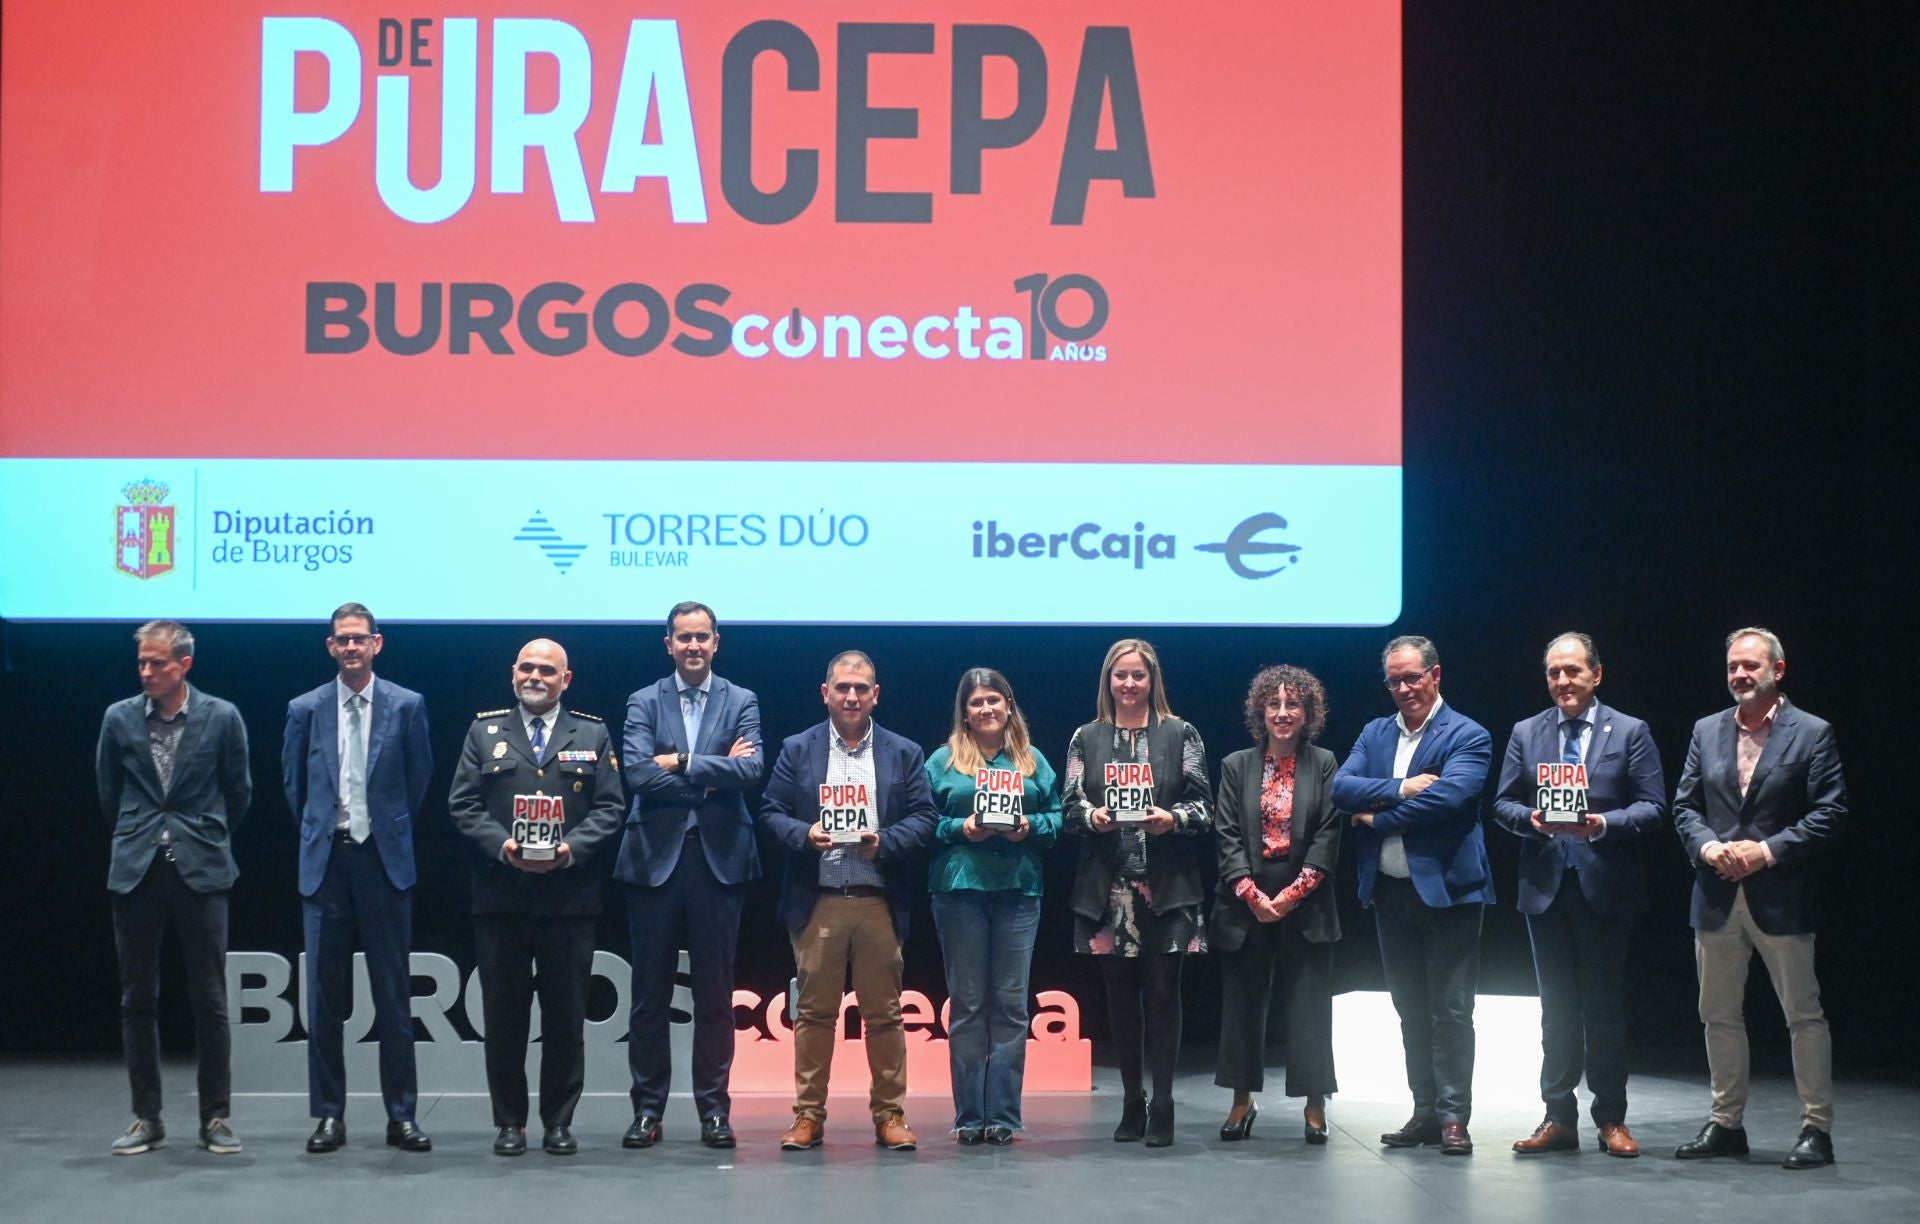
987	940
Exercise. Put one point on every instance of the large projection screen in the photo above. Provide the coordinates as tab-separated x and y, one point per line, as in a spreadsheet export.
951	313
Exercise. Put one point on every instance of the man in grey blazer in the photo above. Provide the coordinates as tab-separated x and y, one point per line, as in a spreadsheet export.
172	772
1760	797
355	763
692	744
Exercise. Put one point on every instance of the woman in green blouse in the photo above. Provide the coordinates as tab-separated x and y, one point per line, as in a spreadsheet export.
999	807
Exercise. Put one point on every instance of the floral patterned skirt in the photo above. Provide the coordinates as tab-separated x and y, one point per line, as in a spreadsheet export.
1130	927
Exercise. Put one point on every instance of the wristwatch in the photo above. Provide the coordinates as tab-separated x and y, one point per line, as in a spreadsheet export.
682	763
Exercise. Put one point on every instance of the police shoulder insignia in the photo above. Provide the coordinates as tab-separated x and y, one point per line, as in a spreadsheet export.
492	713
587	716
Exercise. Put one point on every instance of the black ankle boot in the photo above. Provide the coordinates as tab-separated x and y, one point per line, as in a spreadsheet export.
1133	1121
1160	1123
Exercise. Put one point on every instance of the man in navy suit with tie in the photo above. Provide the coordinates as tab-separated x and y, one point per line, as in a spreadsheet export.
1581	883
692	742
845	905
355	763
1760	797
1413	783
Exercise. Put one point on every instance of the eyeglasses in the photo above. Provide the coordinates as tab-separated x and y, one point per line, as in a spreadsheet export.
353	639
1394	683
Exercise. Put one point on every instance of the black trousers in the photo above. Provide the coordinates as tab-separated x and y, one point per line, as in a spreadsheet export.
694	908
1580	961
1143	1012
140	920
1431	958
357	902
1306	992
520	956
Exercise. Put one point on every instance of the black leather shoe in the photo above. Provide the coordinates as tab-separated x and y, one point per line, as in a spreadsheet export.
1159	1124
1234	1132
1133	1121
645	1131
1713	1140
408	1137
1000	1136
511	1141
1814	1149
559	1142
329	1136
1416	1132
714	1132
1315	1135
970	1136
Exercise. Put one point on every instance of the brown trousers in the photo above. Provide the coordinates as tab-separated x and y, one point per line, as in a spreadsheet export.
843	933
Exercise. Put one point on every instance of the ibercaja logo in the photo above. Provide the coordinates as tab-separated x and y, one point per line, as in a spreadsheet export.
642	137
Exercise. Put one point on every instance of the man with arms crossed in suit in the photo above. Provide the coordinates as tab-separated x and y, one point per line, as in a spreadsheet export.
1413	783
846	906
1580	886
1761	795
534	906
355	762
692	744
174	781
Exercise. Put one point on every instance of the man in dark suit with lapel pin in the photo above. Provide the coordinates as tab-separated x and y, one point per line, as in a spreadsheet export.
534	907
173	779
1580	886
845	906
1413	783
692	743
355	762
1760	797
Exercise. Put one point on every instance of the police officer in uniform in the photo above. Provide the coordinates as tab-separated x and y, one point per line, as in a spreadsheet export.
525	772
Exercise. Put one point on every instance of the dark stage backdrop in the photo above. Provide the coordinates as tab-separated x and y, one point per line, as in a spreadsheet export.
1658	328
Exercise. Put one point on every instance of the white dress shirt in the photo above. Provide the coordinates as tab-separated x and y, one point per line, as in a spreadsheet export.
343	811
1393	849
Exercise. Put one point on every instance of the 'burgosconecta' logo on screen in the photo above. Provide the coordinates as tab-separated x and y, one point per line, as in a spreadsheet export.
143	535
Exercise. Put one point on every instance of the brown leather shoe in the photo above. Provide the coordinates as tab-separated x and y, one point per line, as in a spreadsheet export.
1454	1140
1617	1140
892	1134
1550	1136
803	1134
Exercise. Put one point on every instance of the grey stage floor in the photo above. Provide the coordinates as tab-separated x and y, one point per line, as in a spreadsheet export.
61	1116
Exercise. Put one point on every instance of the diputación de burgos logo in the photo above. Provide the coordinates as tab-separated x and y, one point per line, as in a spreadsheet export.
309	540
144	539
1062	321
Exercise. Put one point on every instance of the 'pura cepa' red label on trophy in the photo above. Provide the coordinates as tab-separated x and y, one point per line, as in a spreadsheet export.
1129	790
1562	797
539	822
846	811
998	797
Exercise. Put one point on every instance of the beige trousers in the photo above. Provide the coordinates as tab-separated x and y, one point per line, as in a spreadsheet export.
856	933
1723	957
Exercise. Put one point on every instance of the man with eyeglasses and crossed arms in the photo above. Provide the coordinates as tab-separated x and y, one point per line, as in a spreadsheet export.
1413	783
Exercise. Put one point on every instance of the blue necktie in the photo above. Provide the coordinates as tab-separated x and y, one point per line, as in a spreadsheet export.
539	740
1570	754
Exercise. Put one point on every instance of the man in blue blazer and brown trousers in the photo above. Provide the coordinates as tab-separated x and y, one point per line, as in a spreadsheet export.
692	744
355	762
845	906
1760	797
1413	783
1581	884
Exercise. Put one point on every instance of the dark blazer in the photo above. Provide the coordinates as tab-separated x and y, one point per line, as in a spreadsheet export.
1624	786
211	791
662	804
1440	826
1795	803
790	806
1317	825
497	763
1176	875
399	762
